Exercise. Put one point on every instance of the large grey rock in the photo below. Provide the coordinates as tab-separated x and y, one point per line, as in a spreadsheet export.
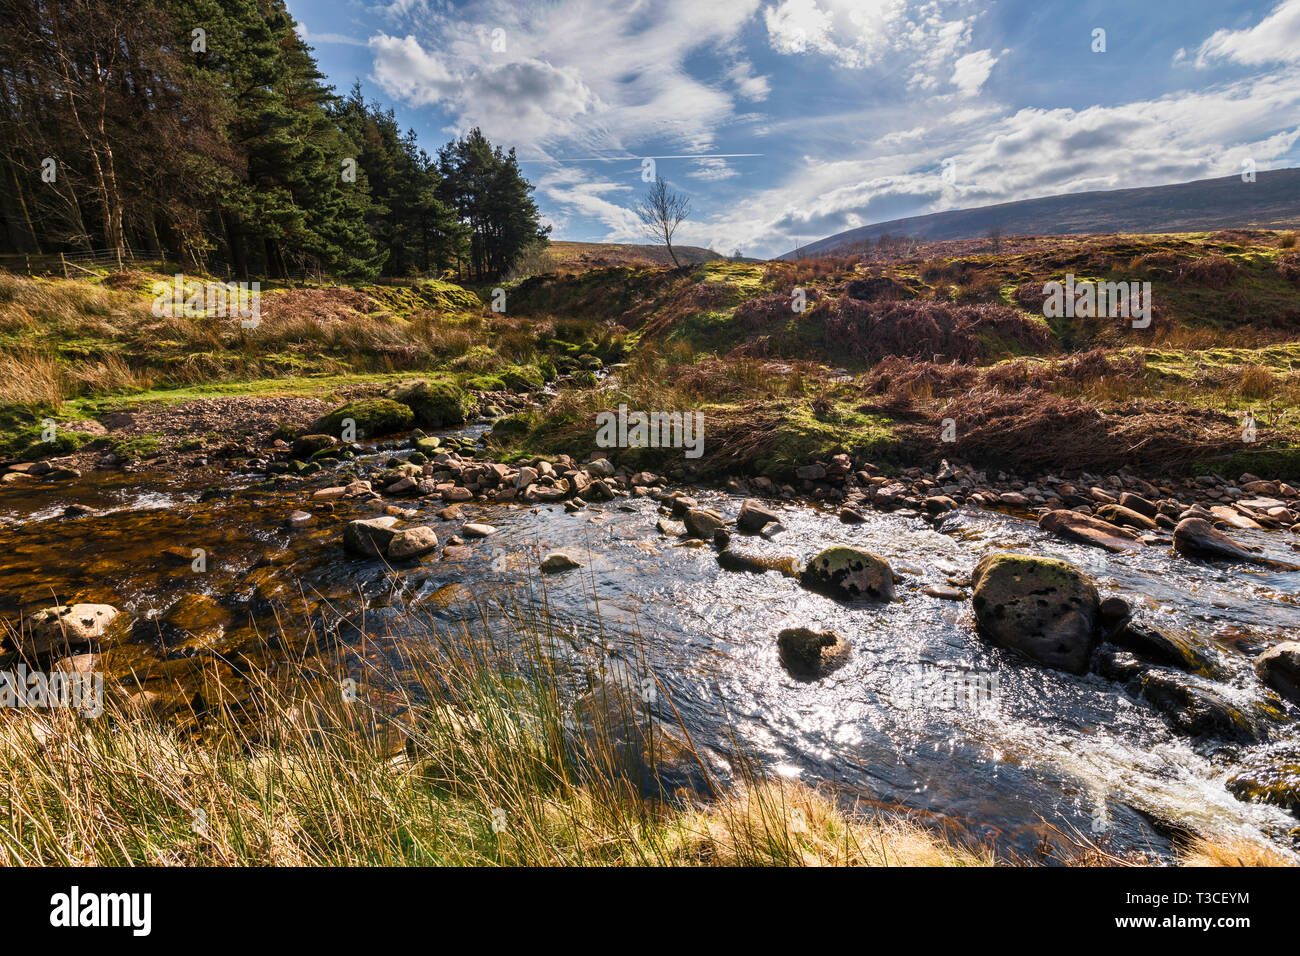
849	574
1044	608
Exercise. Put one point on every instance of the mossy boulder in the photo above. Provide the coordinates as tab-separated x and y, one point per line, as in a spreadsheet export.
1270	777
373	416
522	378
436	404
1199	710
1167	648
307	445
1046	609
849	574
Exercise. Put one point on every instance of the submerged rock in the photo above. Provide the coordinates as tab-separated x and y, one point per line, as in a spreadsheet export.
1197	710
807	653
1161	647
617	730
737	559
1197	538
1044	608
849	574
1270	777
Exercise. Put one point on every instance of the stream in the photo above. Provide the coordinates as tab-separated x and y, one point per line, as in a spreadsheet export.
1041	749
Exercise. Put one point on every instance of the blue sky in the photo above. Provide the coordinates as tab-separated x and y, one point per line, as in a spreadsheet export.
789	120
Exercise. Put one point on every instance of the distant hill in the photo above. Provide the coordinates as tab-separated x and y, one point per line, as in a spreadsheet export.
1271	202
574	256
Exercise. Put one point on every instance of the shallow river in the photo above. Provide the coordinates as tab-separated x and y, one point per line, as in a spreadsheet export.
1023	748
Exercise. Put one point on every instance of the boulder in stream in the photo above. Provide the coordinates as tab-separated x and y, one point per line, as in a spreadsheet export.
1279	668
701	523
754	516
64	627
1047	609
808	654
849	574
1086	529
1197	538
370	536
412	543
558	561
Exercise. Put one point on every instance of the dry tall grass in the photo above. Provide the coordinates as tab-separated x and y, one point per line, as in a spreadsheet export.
442	756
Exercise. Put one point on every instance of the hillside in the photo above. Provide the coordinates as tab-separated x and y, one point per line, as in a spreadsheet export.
1272	201
567	256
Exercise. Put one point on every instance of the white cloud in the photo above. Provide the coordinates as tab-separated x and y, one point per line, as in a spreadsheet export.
586	75
1275	39
1032	152
971	70
920	39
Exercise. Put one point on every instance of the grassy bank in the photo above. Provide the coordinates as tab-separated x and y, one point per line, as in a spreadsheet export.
433	753
440	756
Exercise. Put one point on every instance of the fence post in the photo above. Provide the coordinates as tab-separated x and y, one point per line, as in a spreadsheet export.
64	263
118	250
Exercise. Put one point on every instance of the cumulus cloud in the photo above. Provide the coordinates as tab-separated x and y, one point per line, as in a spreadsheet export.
921	39
579	74
1275	39
1029	153
971	70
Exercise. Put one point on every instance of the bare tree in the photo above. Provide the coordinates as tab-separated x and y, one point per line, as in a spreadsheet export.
661	212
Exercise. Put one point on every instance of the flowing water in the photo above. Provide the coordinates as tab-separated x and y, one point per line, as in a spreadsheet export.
1029	748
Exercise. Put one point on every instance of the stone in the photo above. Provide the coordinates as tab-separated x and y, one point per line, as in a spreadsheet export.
807	654
558	561
1279	668
370	536
63	627
742	560
1086	529
412	543
1047	609
849	574
1162	647
754	516
1196	538
474	530
1195	709
701	523
1139	504
1125	517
